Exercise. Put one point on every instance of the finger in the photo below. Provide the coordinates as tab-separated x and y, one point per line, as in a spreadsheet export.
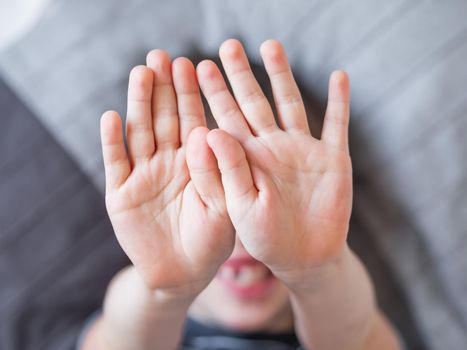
248	93
164	102
236	174
203	169
139	132
336	121
190	106
116	162
223	106
289	103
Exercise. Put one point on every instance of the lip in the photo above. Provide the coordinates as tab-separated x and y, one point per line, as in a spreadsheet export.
253	292
240	261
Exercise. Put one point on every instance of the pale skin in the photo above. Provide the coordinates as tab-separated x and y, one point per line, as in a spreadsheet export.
182	195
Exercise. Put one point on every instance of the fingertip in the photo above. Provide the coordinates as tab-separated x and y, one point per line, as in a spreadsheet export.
209	77
184	75
274	57
339	74
219	139
207	69
271	48
197	133
182	65
140	72
231	48
157	57
214	136
140	83
339	85
141	76
160	63
201	130
109	115
110	124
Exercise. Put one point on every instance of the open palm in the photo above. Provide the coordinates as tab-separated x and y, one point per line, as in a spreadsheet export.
164	196
288	194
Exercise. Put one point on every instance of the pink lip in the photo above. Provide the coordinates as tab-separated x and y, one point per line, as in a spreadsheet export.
256	291
240	261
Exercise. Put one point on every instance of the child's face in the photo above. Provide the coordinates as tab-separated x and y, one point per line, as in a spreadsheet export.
244	296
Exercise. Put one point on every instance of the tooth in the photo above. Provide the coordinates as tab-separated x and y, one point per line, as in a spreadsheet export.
246	276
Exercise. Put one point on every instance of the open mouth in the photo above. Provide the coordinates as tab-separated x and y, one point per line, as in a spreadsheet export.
246	278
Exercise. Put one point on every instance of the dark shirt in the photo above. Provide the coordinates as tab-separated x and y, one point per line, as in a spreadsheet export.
198	336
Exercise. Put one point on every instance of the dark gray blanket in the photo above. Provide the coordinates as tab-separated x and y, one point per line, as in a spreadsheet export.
57	249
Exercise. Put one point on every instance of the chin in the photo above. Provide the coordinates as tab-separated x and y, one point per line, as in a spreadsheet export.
245	297
248	319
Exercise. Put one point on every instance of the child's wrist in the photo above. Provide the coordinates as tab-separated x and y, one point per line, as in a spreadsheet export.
314	278
135	316
335	296
181	296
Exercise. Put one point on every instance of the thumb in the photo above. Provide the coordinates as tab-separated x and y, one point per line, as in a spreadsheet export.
336	121
236	174
203	170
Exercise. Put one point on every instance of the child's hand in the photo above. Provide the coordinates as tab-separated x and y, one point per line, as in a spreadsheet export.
288	194
168	211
